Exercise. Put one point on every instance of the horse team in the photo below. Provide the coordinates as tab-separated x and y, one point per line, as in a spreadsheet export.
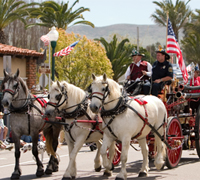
123	118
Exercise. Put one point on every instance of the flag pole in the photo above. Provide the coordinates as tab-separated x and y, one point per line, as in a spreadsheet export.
167	29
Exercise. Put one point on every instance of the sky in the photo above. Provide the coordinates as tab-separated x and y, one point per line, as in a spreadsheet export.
108	12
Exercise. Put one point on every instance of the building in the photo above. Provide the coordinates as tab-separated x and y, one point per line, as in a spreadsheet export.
27	61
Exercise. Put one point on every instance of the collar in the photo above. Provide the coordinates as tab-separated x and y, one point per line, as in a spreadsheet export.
138	63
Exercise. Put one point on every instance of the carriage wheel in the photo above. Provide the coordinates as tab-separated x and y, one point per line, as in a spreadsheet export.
116	158
197	132
173	155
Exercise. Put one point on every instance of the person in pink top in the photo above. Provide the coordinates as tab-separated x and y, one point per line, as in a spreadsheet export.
196	80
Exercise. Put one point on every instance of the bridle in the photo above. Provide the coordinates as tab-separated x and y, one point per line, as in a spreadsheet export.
12	92
59	97
104	95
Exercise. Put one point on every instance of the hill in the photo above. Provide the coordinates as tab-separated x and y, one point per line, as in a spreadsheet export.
148	34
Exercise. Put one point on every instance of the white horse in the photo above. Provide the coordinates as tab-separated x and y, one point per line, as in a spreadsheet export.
71	103
124	119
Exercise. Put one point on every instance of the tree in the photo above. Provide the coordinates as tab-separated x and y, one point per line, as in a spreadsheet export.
51	14
118	54
11	10
178	14
191	46
86	58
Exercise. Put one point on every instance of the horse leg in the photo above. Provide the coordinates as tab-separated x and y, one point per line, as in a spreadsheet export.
145	165
107	163
71	170
97	160
53	162
40	170
125	147
17	171
161	153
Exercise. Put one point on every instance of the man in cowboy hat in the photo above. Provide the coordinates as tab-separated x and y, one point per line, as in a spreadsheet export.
162	73
137	71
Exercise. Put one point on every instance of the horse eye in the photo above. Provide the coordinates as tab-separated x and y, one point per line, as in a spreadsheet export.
15	86
58	97
48	96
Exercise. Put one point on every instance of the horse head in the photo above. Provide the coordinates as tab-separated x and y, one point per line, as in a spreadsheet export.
57	99
11	86
103	90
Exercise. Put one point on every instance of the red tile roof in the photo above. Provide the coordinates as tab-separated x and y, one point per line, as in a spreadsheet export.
9	50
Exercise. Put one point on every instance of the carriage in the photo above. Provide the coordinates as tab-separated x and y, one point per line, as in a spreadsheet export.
177	126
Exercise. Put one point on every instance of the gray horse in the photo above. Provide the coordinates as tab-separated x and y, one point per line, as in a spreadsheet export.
26	118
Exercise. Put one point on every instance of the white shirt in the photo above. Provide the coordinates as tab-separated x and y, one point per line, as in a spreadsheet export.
149	69
2	123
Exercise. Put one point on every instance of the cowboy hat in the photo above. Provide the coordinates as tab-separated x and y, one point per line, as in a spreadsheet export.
136	53
1	114
162	51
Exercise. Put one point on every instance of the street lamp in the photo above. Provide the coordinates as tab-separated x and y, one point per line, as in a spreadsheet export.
53	37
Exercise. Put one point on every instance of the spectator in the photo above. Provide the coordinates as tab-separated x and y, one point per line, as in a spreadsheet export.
195	81
3	130
3	133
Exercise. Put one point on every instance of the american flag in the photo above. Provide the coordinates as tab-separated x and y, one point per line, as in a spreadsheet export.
173	47
45	39
66	51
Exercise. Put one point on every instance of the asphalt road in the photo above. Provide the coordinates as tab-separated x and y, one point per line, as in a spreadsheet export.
189	166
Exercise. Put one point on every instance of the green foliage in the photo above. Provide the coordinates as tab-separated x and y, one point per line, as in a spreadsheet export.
178	13
59	15
119	55
86	58
11	10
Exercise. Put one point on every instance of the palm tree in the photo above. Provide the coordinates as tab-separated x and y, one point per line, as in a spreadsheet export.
178	14
118	54
51	14
191	46
10	10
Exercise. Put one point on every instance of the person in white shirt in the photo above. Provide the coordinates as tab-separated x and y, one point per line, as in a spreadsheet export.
138	71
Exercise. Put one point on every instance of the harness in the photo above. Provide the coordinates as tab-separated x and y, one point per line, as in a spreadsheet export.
121	107
80	111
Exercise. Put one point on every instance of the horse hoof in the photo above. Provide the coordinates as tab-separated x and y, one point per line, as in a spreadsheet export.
48	171
98	169
15	176
55	169
68	178
40	173
113	167
107	174
142	174
117	178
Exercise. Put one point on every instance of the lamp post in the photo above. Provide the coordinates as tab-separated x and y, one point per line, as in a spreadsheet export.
53	37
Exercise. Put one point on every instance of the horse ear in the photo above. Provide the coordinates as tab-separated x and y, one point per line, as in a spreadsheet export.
5	73
93	77
104	77
16	74
58	83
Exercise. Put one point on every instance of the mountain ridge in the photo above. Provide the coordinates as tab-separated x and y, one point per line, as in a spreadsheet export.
148	34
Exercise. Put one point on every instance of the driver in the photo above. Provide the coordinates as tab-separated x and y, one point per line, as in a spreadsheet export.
137	71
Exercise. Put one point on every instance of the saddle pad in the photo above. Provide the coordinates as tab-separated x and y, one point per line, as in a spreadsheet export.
41	101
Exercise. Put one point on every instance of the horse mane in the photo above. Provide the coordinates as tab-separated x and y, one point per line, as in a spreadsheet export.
73	91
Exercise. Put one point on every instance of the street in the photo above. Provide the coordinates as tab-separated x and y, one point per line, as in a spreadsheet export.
189	166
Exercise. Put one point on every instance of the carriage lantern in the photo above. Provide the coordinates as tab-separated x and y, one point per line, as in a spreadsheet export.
53	37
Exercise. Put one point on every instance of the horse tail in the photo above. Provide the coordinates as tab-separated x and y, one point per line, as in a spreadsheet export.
48	133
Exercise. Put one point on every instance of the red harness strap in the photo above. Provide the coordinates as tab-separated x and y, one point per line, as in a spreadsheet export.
142	102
